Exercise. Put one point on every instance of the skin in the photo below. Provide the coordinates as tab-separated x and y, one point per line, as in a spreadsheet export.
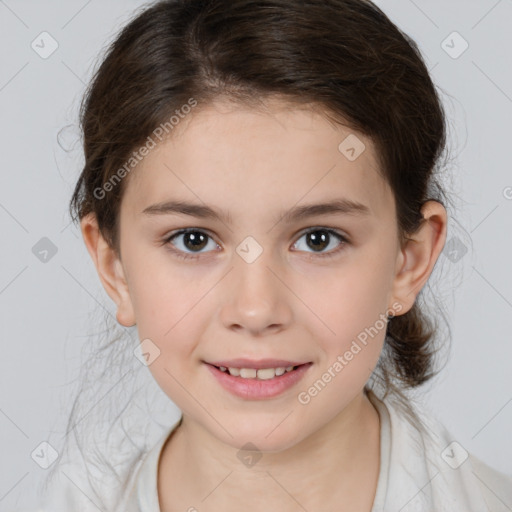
289	303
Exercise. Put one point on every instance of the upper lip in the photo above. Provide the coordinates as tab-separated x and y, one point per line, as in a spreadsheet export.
256	364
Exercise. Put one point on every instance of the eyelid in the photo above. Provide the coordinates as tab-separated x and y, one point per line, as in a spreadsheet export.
343	238
324	227
166	242
302	232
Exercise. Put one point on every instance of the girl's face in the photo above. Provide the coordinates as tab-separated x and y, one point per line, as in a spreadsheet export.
260	276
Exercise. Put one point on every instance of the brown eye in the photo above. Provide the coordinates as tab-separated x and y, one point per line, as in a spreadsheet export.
318	239
190	241
194	240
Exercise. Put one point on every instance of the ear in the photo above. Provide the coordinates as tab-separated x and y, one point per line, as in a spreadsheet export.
109	268
419	255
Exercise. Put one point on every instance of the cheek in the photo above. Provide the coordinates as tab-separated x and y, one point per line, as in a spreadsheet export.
163	293
349	299
352	307
173	319
173	306
170	313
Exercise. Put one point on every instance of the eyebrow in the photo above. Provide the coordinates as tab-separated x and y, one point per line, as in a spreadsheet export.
338	206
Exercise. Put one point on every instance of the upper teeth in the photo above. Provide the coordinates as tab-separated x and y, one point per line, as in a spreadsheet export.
252	373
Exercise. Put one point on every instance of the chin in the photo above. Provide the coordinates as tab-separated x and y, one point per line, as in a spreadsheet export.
271	436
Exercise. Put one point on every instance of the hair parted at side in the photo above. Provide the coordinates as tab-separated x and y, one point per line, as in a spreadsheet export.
344	57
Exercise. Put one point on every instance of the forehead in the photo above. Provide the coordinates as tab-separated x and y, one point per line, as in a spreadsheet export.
244	158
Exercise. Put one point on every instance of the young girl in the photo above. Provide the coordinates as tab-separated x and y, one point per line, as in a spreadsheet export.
260	200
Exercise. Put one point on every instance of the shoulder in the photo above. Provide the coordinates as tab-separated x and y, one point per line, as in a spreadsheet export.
429	469
69	489
75	485
496	487
127	487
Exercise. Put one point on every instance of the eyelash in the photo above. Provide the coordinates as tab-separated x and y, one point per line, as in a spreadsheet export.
187	256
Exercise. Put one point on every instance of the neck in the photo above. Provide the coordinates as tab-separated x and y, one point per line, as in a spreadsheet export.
338	464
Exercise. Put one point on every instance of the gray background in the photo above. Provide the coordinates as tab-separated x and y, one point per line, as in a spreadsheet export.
46	306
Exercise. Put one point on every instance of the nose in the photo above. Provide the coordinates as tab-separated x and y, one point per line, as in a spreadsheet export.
256	299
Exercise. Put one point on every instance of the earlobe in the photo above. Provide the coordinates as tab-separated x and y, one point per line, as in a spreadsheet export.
109	268
419	255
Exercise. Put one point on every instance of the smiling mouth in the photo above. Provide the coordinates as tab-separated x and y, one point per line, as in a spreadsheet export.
260	373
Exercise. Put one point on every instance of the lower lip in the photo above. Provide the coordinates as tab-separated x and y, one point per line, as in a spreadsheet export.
257	389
